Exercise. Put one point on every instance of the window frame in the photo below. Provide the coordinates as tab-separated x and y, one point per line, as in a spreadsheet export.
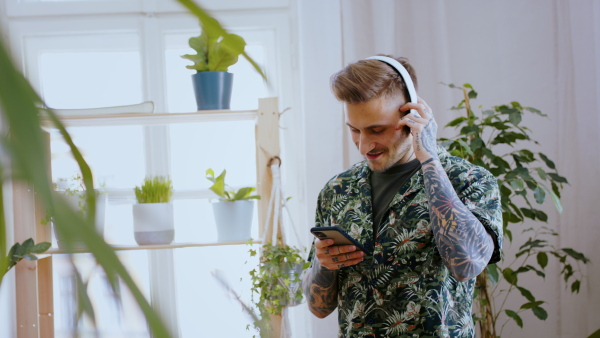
153	17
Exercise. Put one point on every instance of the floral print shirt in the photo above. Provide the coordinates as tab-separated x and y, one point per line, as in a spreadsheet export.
404	289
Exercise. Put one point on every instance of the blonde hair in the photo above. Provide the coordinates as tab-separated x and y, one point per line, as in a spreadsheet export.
368	79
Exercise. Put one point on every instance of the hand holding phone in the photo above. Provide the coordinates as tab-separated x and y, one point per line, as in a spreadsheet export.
340	253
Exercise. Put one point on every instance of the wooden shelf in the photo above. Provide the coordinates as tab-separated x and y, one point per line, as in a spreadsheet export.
125	119
56	251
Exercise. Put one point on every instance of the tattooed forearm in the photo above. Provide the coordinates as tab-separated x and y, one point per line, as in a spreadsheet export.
320	289
463	242
429	138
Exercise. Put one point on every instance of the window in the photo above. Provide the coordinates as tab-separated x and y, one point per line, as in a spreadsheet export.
106	60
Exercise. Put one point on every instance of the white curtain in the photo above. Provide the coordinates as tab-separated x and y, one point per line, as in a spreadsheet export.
544	54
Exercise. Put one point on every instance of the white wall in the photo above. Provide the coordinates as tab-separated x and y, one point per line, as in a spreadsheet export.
320	55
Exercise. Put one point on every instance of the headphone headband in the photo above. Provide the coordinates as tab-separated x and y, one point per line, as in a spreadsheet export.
403	74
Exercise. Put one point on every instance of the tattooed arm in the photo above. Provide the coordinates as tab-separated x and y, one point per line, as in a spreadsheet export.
320	281
320	289
463	242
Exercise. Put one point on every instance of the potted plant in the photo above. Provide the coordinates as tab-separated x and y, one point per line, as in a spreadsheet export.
73	190
153	215
276	282
483	139
216	50
234	209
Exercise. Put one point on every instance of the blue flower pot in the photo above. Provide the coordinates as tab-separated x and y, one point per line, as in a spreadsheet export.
213	90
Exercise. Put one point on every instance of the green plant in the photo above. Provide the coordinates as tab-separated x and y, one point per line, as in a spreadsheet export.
215	50
522	174
154	190
214	26
276	281
26	250
227	193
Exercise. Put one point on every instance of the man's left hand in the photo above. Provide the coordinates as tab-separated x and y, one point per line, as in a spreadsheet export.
423	129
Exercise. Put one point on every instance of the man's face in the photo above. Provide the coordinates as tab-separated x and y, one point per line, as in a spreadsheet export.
373	128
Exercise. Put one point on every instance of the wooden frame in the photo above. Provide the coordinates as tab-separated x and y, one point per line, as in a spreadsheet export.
34	289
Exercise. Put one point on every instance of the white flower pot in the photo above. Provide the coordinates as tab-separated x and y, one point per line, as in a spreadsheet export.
233	219
76	202
153	223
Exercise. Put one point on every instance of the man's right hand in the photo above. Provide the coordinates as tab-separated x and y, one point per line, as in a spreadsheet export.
334	257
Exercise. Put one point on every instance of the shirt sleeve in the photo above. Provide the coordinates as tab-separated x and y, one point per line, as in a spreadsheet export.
478	190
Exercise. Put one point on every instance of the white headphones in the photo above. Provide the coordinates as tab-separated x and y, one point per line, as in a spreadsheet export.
403	73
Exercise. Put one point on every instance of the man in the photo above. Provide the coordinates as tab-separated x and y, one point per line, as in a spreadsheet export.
432	221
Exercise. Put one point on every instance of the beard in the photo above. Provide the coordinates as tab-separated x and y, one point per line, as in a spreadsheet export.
392	155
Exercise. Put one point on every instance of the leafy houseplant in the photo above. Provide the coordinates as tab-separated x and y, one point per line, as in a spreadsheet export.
276	282
216	50
522	174
153	215
233	211
227	193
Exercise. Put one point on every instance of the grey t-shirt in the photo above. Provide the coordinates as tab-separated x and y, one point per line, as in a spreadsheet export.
386	184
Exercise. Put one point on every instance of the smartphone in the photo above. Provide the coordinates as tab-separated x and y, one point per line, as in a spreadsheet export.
339	236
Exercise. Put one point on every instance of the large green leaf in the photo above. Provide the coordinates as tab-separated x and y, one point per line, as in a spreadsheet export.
531	305
515	316
456	121
540	313
546	160
527	294
492	270
25	146
576	254
542	259
517	184
596	334
575	286
555	198
539	194
510	276
514	116
557	178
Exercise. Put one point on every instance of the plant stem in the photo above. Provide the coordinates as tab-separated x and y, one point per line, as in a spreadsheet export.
487	325
467	103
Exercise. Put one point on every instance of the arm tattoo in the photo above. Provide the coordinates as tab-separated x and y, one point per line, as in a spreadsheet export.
321	289
429	136
463	242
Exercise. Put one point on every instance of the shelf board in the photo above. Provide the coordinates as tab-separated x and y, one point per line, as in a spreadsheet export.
124	119
55	251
